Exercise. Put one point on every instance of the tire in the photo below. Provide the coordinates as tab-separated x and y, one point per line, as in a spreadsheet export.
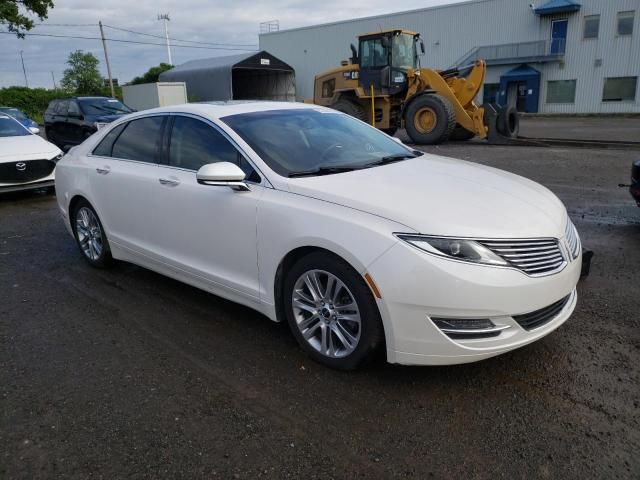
350	107
90	235
349	344
461	134
508	122
430	119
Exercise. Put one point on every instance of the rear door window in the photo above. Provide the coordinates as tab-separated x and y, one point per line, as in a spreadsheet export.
73	107
105	147
140	140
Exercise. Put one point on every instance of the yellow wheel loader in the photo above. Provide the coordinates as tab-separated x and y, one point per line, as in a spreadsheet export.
384	84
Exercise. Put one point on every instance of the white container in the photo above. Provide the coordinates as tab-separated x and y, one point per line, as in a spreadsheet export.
152	95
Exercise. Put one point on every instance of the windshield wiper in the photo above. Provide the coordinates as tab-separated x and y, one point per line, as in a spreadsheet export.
390	159
322	171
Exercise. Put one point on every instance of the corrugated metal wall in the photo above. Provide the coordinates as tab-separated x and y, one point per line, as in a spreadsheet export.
451	31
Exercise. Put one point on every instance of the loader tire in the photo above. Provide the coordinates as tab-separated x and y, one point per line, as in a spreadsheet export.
350	108
461	134
508	122
430	119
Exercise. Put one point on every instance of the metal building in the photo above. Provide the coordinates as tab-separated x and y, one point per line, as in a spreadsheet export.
547	56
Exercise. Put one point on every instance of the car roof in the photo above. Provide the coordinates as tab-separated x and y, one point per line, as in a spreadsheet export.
218	110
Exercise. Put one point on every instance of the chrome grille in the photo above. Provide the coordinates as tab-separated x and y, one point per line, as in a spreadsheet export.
26	171
573	241
533	257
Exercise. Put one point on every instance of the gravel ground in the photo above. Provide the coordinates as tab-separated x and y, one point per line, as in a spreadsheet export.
125	373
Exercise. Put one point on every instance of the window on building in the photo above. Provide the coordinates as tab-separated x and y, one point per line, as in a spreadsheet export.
490	94
619	89
591	26
561	91
625	23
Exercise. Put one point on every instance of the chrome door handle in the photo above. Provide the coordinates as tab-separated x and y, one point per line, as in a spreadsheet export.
103	171
169	183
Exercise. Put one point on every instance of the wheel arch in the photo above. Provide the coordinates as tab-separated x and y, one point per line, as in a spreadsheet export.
285	265
299	252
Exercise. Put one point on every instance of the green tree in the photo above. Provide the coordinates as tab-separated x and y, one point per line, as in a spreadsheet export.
15	13
152	74
82	77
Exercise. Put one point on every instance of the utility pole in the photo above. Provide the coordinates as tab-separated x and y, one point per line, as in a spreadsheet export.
165	17
55	87
106	58
26	82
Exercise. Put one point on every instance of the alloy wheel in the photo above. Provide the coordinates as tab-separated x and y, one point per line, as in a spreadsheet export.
326	313
89	233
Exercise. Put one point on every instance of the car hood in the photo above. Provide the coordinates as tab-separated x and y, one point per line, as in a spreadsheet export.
443	196
27	147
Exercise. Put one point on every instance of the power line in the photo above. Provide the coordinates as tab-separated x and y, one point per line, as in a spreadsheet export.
127	41
178	40
141	33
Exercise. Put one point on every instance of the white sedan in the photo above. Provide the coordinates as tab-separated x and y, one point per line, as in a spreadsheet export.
27	161
317	219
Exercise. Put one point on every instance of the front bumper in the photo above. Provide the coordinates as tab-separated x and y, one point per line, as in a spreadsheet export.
416	286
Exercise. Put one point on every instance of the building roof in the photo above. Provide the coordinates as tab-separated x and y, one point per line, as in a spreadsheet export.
521	71
212	78
558	6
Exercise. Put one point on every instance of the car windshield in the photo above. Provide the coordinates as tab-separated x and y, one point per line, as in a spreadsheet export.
14	112
103	106
309	141
403	52
10	128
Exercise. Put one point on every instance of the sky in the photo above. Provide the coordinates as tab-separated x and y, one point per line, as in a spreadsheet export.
214	21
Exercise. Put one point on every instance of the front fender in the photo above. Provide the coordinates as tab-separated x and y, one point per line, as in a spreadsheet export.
288	221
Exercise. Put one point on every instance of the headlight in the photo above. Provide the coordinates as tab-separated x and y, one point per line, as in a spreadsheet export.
573	240
455	248
58	157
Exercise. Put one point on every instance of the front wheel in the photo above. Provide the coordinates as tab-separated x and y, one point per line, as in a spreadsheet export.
331	311
430	119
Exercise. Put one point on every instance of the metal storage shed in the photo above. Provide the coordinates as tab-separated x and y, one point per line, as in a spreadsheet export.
249	76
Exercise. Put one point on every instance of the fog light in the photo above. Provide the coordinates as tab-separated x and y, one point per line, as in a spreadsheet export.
468	328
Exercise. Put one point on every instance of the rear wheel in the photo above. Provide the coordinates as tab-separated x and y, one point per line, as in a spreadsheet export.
350	107
331	311
430	119
90	235
461	134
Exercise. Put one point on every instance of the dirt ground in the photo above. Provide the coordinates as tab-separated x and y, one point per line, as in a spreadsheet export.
125	373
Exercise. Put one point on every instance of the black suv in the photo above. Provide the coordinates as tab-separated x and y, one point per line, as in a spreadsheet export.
69	121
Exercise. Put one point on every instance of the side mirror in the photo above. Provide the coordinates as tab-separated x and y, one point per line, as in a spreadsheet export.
222	174
421	47
385	42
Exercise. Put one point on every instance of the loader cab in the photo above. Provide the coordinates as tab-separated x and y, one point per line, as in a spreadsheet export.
385	58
